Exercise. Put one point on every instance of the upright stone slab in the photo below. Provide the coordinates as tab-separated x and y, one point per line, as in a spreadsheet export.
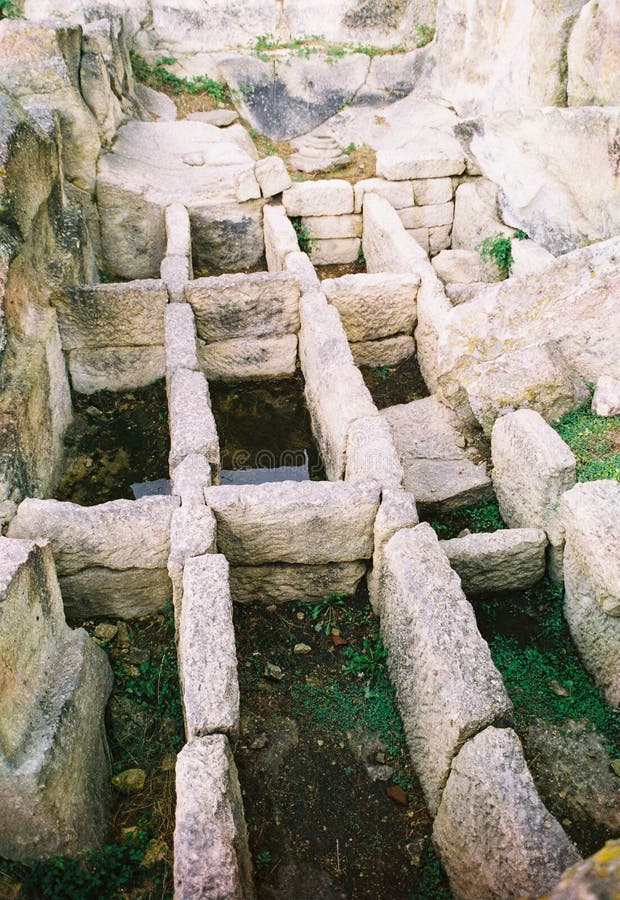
54	774
590	516
532	468
396	511
211	855
371	453
192	426
511	559
206	649
280	237
447	687
387	246
309	522
495	837
374	306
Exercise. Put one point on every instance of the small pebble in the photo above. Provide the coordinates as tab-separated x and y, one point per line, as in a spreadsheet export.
105	631
259	742
273	672
302	648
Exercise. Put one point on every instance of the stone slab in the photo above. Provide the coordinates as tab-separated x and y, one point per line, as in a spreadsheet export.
512	559
249	358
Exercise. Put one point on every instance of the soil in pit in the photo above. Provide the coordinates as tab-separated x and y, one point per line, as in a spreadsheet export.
265	425
144	723
391	385
115	440
333	807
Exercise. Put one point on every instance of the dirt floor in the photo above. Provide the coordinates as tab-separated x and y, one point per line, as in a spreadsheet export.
391	385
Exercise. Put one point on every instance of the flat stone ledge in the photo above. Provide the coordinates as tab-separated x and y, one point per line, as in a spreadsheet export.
512	559
206	649
180	334
211	855
295	522
494	835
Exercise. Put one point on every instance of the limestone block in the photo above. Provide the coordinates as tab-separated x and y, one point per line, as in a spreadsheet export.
421	236
396	511
529	258
96	90
328	227
272	176
398	194
112	315
192	532
432	451
157	105
606	399
280	237
374	306
279	583
512	559
332	197
192	426
115	368
180	335
178	230
594	877
295	522
423	159
447	687
206	649
532	469
493	833
475	214
211	855
335	251
117	593
384	352
54	781
121	534
589	514
371	453
190	478
258	305
458	266
593	61
246	185
387	246
175	272
565	306
427	191
299	265
439	238
228	236
249	358
427	216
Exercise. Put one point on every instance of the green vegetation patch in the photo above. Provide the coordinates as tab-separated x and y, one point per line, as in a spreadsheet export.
159	77
594	440
483	516
497	248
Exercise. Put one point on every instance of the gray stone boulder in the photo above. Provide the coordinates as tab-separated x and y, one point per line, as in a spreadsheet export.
590	514
596	876
295	522
211	855
54	779
532	469
606	399
511	559
447	687
495	837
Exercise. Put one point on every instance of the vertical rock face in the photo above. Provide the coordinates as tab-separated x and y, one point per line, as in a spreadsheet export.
594	55
494	835
54	684
590	515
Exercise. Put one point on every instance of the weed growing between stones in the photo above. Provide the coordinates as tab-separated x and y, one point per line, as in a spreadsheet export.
594	440
9	10
306	243
145	729
480	517
159	77
391	385
497	248
425	33
267	45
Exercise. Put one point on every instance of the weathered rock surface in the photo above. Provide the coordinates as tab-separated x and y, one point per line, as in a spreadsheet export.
590	514
180	337
494	836
211	855
295	522
569	309
244	306
458	266
385	352
190	478
371	454
532	469
387	246
398	194
192	426
206	649
335	251
447	687
606	399
272	176
374	306
280	237
431	449
512	559
299	265
593	55
596	876
115	368
54	788
332	197
117	593
294	583
322	228
249	358
397	511
476	218
578	201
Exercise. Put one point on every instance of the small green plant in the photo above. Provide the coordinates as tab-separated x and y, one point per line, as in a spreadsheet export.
9	10
361	259
479	517
306	243
382	372
497	248
367	661
324	614
521	235
425	34
262	860
158	76
594	440
350	148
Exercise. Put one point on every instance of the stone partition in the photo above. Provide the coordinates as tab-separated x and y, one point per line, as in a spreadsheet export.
55	792
111	558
